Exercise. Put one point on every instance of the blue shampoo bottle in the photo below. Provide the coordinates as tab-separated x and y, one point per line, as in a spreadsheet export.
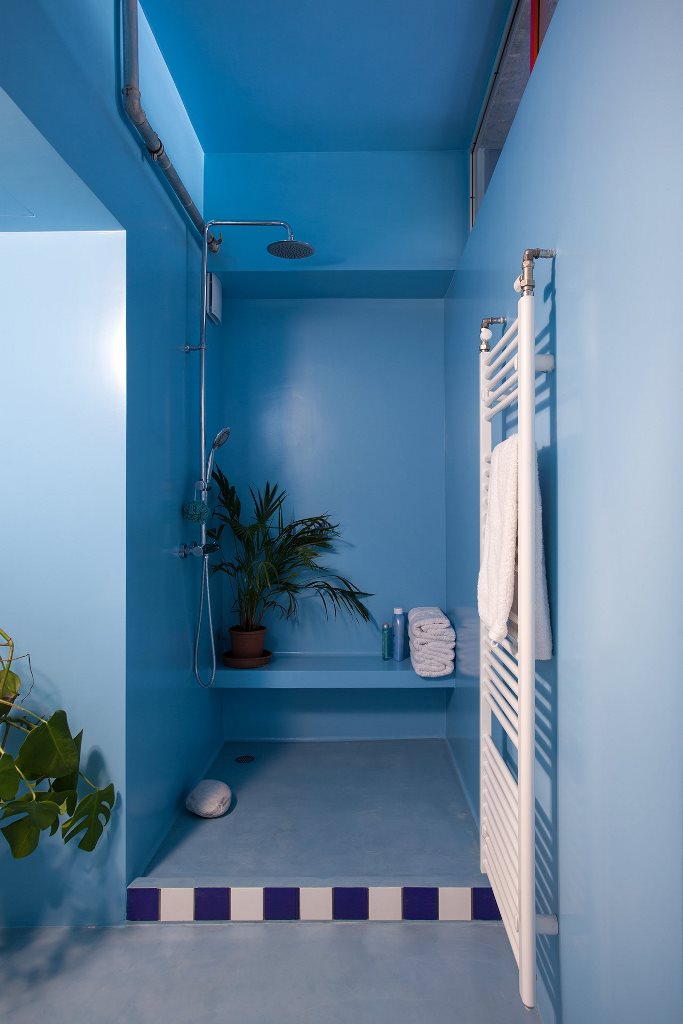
398	623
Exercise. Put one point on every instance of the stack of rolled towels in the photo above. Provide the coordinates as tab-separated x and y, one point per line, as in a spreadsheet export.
432	642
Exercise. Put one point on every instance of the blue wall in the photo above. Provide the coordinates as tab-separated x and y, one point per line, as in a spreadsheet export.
592	167
341	402
334	714
63	420
71	95
62	520
462	534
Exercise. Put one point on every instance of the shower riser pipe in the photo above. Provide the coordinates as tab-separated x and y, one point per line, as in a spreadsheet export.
289	248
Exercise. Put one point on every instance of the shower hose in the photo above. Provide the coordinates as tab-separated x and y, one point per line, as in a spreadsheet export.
204	599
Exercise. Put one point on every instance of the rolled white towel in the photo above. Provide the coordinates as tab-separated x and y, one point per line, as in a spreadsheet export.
431	666
441	666
428	673
443	636
429	624
432	642
438	645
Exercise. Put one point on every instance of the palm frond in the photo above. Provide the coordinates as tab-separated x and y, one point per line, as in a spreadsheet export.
274	562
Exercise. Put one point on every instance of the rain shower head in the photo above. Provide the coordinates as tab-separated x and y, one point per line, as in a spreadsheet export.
291	249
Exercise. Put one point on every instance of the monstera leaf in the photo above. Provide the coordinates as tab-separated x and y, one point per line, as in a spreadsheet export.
64	788
49	750
91	815
40	779
9	778
22	837
33	812
67	801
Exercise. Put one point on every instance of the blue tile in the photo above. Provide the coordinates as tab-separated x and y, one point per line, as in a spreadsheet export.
350	904
484	906
281	904
211	904
420	903
143	905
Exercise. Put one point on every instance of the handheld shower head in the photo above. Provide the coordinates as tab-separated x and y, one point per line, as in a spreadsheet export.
218	442
220	438
290	249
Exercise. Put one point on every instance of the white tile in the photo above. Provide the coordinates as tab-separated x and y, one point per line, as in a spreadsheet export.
455	904
385	903
246	904
177	905
315	904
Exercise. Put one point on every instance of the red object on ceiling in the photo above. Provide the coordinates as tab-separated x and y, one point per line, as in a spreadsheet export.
535	34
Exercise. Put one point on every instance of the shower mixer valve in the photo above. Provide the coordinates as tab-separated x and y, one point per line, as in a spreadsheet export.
198	550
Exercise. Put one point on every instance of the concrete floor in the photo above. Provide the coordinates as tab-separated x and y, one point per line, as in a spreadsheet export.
280	973
388	812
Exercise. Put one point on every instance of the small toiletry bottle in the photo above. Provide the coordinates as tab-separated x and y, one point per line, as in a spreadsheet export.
386	642
399	631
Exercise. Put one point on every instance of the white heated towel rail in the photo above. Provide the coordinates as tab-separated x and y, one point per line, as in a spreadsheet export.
507	377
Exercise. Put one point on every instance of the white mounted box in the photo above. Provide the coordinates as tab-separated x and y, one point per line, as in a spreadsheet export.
214	306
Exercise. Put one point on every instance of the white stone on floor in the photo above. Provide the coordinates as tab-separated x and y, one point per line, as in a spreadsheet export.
209	799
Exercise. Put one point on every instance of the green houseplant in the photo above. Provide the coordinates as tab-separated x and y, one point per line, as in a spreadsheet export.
274	562
40	779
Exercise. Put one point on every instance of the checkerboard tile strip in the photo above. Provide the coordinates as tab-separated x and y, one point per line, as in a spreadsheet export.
322	903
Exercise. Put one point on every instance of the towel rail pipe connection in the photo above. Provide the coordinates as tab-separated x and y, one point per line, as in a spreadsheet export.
485	333
526	278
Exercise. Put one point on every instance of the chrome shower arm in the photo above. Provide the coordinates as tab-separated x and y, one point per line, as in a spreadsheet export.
252	224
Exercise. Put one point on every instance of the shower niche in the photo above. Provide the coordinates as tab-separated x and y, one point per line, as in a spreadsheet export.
347	803
340	402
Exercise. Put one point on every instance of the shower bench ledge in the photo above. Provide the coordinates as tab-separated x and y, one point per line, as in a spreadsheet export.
329	671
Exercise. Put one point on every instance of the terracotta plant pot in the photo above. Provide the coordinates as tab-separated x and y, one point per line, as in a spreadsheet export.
247	643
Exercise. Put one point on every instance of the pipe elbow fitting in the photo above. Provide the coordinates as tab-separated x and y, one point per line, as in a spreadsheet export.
132	105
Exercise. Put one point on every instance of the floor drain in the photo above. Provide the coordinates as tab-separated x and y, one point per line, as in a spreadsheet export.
244	759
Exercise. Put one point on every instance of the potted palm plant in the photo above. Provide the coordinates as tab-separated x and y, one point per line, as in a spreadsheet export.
273	563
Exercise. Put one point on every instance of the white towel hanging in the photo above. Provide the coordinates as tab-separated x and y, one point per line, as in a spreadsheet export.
496	586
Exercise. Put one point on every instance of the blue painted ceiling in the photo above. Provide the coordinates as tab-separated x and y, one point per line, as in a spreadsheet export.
329	75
